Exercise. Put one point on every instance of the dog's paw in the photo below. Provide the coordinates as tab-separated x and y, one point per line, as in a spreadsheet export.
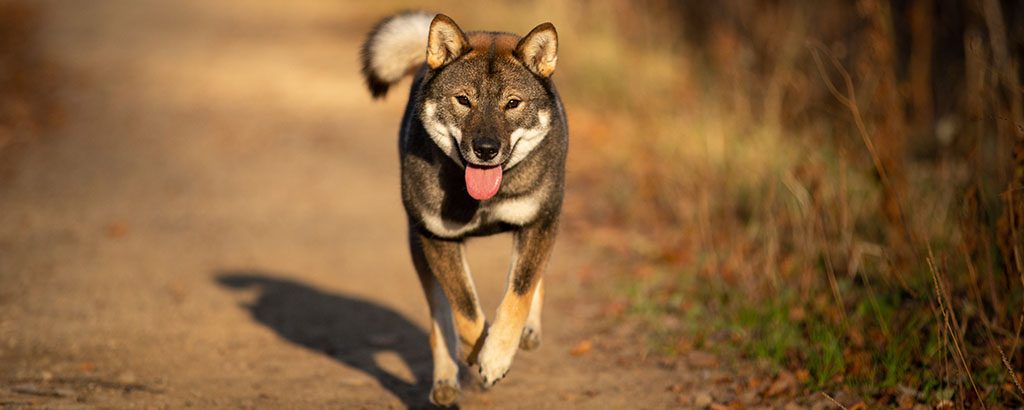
492	376
444	393
530	339
495	360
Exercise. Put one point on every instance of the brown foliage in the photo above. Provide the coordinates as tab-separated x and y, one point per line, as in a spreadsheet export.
27	79
769	166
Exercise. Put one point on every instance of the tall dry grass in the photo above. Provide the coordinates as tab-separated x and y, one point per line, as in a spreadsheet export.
854	166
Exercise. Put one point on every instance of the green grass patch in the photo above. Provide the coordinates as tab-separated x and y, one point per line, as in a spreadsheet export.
887	340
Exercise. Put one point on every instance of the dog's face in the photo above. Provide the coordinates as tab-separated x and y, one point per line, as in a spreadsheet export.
484	103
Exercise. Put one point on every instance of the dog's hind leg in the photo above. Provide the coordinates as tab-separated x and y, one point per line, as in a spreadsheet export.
531	332
532	247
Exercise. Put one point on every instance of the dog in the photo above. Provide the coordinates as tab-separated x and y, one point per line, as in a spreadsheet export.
482	146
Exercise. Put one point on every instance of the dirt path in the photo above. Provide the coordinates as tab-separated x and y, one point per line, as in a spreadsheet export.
217	225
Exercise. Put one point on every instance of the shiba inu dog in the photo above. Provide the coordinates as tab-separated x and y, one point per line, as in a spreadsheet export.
482	145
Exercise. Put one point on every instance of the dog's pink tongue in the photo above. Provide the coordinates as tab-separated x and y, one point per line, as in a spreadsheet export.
482	183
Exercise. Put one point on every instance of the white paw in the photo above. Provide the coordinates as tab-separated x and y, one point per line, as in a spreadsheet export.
496	358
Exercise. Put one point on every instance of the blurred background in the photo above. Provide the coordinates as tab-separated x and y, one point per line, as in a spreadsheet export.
830	189
833	186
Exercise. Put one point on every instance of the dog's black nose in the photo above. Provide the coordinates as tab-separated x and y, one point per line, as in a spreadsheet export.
486	148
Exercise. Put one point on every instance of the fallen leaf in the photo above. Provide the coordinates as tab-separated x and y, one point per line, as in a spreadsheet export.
754	383
786	382
581	348
702	399
684	399
803	376
116	230
721	378
701	359
749	397
860	405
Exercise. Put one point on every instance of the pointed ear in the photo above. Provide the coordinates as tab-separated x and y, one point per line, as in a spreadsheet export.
539	50
446	42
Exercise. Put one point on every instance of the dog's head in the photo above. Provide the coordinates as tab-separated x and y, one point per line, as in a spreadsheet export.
487	100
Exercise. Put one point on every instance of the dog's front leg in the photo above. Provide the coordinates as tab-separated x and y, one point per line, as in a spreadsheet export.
454	309
532	246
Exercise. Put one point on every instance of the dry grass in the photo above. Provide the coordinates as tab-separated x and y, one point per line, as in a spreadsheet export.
831	186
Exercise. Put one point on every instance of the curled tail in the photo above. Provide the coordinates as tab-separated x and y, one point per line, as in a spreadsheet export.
397	46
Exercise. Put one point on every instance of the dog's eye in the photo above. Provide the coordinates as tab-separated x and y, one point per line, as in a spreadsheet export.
513	103
462	99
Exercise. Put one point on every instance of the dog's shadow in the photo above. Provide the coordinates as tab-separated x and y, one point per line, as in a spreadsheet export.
345	328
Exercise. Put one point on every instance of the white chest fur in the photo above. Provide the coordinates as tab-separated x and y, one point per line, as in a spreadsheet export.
517	211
